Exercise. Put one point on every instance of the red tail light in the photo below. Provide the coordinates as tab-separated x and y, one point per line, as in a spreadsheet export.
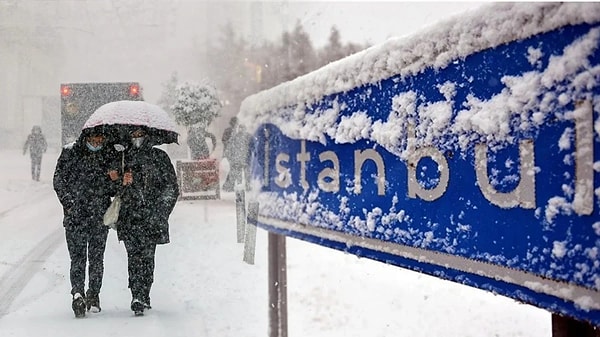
65	90
134	90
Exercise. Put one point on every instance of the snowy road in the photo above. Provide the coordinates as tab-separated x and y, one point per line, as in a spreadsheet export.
29	234
202	287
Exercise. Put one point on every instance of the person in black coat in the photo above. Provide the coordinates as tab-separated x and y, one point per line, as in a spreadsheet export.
149	194
238	155
84	188
36	143
227	133
228	150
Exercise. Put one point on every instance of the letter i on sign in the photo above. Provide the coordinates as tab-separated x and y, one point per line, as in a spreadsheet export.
583	202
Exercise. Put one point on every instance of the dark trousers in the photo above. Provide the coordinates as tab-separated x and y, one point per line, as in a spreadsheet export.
140	266
237	174
86	244
36	167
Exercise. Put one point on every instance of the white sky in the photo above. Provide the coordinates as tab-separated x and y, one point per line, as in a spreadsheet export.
145	41
203	289
357	21
185	25
369	21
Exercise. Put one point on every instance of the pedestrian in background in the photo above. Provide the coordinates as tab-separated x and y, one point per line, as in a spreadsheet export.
149	195
83	185
36	143
227	152
238	155
228	133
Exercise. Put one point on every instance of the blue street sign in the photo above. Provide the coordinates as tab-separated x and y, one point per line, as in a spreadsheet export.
484	170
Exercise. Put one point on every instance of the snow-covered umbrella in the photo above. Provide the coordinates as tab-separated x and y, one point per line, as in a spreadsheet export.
117	119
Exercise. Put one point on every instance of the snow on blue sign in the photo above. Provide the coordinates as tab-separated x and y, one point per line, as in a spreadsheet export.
469	152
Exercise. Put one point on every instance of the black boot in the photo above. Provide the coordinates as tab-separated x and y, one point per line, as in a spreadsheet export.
78	305
137	307
92	299
146	299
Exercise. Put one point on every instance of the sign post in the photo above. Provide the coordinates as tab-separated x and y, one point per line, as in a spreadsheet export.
250	237
240	213
277	286
568	327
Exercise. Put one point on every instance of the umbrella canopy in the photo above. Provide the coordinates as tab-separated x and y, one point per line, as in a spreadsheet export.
117	119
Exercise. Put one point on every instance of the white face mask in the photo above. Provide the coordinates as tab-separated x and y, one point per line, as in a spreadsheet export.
137	142
92	147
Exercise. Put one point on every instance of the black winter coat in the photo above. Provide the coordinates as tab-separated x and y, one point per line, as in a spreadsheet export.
240	144
150	199
226	138
82	184
36	143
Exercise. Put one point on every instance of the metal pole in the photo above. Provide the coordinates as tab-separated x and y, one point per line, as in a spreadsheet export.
568	327
277	286
250	239
240	212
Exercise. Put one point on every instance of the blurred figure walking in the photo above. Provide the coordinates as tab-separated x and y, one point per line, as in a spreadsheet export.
238	155
228	153
36	143
228	133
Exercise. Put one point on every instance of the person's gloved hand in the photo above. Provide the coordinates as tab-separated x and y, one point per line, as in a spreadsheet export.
127	178
163	236
113	174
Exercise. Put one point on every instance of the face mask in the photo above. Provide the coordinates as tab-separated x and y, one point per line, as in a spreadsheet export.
93	148
137	142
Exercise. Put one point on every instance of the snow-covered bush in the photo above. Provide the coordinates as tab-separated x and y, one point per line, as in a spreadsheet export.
196	103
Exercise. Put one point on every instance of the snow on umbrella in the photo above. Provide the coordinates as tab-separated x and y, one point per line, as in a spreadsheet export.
118	118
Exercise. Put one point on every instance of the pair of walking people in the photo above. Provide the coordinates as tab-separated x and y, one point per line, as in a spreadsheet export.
88	173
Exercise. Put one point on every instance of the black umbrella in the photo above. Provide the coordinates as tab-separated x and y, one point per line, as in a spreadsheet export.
118	119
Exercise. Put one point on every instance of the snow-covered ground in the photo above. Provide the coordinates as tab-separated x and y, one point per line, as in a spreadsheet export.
203	288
